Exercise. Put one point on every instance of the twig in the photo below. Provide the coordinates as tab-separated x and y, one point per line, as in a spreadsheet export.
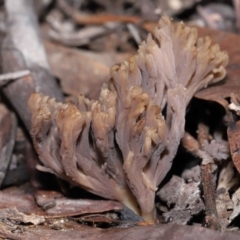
134	32
8	77
83	36
88	19
209	184
208	181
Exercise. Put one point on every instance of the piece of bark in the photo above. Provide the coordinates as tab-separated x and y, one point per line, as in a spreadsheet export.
52	204
22	49
13	214
8	126
185	197
55	205
21	199
65	207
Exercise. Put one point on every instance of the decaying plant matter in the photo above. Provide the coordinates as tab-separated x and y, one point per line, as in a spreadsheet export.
121	147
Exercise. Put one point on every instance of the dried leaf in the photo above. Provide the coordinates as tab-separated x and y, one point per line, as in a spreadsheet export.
79	71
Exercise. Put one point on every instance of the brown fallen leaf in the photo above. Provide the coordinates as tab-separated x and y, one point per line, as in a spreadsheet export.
79	70
78	73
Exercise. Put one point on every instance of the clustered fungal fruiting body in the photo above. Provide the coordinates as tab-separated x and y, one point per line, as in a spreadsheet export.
121	147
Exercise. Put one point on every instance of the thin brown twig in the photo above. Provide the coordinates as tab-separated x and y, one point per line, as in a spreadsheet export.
209	184
89	19
208	181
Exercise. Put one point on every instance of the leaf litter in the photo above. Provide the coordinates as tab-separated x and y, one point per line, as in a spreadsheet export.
200	188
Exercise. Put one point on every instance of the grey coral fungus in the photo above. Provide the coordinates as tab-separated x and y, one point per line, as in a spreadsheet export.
121	147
